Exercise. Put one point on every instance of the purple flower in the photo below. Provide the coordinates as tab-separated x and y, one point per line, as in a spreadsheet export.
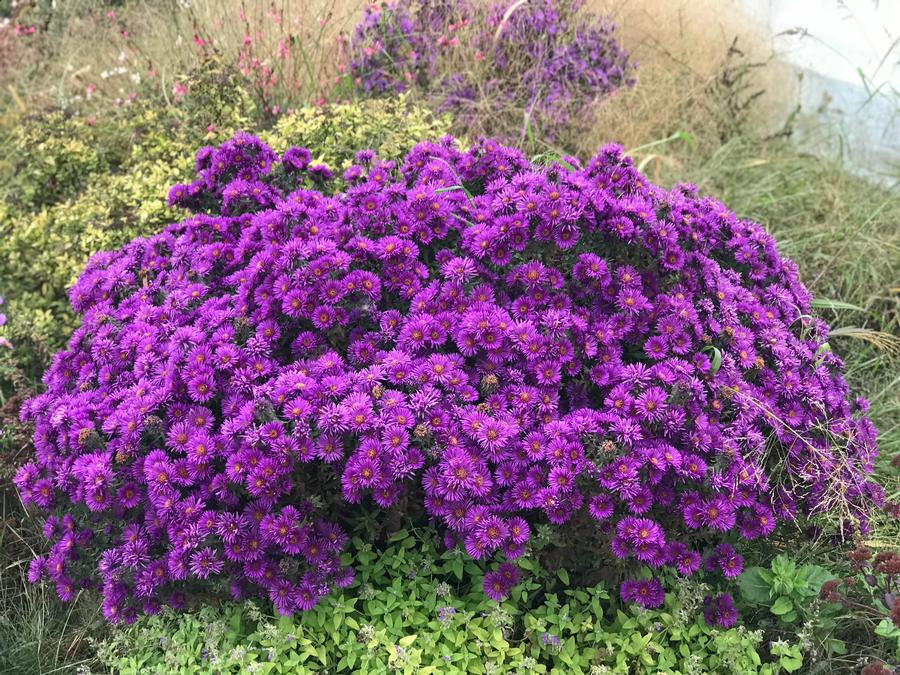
497	585
725	560
719	611
205	563
381	332
647	593
551	62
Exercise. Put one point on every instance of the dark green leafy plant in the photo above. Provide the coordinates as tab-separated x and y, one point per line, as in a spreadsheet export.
785	588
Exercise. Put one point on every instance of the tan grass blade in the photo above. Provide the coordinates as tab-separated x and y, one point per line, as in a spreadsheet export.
884	341
506	16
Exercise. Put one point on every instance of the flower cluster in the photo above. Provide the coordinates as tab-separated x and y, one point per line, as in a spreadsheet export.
546	58
550	60
516	342
397	45
873	588
719	611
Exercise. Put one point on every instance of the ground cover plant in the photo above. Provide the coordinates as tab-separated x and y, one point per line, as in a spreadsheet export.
417	608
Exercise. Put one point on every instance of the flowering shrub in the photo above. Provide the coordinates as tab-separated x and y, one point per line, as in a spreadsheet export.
547	60
504	341
397	45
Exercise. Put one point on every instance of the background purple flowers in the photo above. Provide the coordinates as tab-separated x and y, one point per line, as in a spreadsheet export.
508	343
538	66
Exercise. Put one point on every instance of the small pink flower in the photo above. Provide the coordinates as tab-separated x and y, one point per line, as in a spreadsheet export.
199	41
90	89
91	121
179	89
210	128
125	34
283	49
111	15
479	55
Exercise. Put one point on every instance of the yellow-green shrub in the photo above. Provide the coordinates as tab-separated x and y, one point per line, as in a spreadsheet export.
93	188
334	133
51	157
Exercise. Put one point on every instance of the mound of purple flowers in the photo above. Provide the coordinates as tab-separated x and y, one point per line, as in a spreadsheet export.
547	61
509	343
397	45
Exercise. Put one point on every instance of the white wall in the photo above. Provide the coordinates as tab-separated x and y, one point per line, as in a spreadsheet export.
833	46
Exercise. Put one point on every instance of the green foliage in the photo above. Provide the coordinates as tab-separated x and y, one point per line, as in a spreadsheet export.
62	154
73	189
790	657
785	588
335	133
413	609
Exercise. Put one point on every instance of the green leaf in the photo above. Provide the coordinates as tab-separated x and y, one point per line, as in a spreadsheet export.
753	587
815	577
828	303
406	641
781	606
716	360
791	663
887	629
563	575
790	617
399	535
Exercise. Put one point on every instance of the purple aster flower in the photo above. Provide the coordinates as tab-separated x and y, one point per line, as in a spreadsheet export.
719	611
425	360
647	593
205	563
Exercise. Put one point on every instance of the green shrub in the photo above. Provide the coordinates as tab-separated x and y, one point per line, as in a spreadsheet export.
389	126
52	157
786	589
414	609
77	188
